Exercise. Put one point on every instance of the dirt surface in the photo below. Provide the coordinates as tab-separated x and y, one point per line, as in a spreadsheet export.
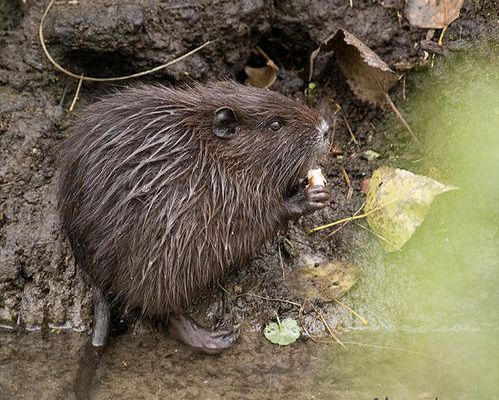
39	283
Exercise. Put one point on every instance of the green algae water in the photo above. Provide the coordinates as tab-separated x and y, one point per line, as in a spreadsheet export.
433	308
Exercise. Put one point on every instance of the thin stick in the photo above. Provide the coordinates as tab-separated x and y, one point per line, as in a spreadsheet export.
328	328
76	96
262	53
441	38
7	184
364	321
401	349
63	97
270	299
352	218
95	79
403	88
400	117
340	221
379	236
281	263
300	318
349	128
349	183
345	223
225	290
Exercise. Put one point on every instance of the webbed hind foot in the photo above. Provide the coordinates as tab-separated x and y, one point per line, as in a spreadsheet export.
208	341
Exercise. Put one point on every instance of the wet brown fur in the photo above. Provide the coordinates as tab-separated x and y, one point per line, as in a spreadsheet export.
157	207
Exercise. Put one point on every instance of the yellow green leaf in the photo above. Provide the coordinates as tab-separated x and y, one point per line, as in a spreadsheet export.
397	203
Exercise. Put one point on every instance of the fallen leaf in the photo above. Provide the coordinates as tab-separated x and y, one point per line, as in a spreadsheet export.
282	332
369	77
432	13
262	77
325	281
397	203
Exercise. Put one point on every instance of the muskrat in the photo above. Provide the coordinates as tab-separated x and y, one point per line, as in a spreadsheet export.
162	190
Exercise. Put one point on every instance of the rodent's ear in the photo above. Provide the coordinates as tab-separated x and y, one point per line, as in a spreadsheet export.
224	122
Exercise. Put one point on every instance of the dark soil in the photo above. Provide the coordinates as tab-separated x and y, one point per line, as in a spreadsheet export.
39	284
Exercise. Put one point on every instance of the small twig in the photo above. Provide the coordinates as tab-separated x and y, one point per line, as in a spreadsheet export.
340	221
349	219
328	328
6	184
263	54
349	183
225	290
281	262
403	88
401	349
353	217
95	79
400	117
346	222
270	299
300	318
379	236
364	321
441	38
63	97
399	18
344	118
76	96
351	3
349	128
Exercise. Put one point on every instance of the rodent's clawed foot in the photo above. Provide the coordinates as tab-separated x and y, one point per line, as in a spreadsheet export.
208	341
317	197
311	199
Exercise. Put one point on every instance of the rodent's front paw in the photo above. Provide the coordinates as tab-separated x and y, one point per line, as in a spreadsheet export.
316	197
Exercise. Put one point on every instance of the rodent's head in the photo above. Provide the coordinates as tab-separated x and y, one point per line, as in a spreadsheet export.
262	132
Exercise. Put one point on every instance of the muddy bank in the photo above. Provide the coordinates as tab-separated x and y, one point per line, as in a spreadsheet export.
39	284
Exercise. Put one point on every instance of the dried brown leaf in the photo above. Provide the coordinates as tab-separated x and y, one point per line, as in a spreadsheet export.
432	13
369	77
262	77
326	281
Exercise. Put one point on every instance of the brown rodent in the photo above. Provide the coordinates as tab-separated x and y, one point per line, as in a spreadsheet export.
162	190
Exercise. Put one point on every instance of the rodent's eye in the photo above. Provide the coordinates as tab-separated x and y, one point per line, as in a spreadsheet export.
275	124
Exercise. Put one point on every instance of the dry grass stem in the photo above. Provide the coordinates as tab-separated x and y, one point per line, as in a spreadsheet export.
400	117
76	96
271	299
328	328
281	262
354	139
379	236
362	319
400	349
95	79
441	37
348	182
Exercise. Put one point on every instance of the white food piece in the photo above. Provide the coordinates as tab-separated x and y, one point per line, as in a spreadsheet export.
315	177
